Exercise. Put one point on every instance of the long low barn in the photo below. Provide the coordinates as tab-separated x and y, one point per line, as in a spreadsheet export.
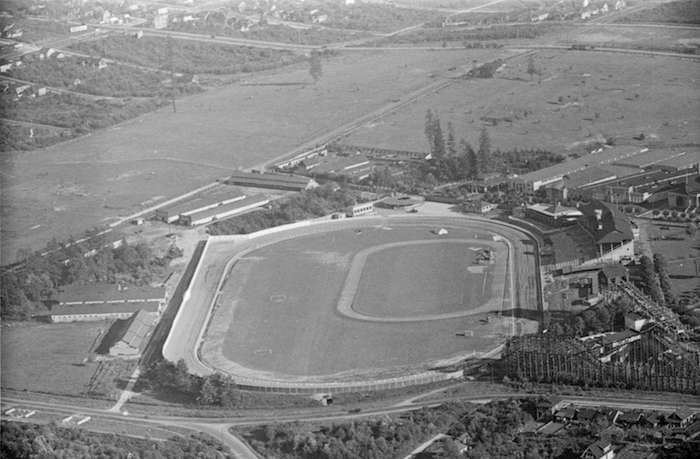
222	194
224	211
103	301
287	182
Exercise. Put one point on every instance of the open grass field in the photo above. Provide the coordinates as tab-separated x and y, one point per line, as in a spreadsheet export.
211	133
282	303
578	98
421	279
48	357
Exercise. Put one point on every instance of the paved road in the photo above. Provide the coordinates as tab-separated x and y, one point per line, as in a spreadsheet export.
219	427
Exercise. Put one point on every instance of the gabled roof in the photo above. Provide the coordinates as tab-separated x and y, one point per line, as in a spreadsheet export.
681	414
599	448
139	327
614	228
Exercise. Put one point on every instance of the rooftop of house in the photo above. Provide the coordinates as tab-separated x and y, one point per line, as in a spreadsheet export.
606	223
599	448
551	428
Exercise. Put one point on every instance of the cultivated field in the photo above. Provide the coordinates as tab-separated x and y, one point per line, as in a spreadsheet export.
49	357
577	99
211	133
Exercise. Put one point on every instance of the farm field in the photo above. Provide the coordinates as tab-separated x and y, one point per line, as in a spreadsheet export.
284	317
579	98
48	357
211	133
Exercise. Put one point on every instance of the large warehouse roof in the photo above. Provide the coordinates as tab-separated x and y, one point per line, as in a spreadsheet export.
604	157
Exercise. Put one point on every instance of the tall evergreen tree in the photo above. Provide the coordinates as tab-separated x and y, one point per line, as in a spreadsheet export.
484	150
429	129
451	142
471	162
438	150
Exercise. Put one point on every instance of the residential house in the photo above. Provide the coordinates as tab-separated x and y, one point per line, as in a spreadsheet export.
599	450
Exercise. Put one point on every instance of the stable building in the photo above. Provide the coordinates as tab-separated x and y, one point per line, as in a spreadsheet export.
285	182
103	301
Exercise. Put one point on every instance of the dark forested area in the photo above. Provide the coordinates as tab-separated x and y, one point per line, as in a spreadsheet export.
23	440
25	288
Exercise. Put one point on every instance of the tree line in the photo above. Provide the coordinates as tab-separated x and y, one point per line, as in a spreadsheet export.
318	202
25	440
26	289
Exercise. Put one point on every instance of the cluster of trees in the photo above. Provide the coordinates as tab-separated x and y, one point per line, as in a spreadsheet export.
114	80
80	114
219	25
185	56
486	70
607	316
452	160
24	440
495	32
320	201
172	381
489	430
25	289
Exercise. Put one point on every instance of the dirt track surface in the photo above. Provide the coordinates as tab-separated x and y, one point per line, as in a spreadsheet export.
186	336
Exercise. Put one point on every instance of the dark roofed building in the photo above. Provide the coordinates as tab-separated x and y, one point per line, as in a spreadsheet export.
288	182
104	301
611	231
599	450
135	336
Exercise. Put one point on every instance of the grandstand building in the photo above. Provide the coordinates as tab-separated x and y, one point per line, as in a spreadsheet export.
127	338
611	231
556	215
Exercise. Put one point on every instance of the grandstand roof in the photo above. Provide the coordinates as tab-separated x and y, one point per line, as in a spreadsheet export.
140	325
614	226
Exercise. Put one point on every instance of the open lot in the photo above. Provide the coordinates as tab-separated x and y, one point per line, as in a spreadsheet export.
211	133
578	98
49	357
